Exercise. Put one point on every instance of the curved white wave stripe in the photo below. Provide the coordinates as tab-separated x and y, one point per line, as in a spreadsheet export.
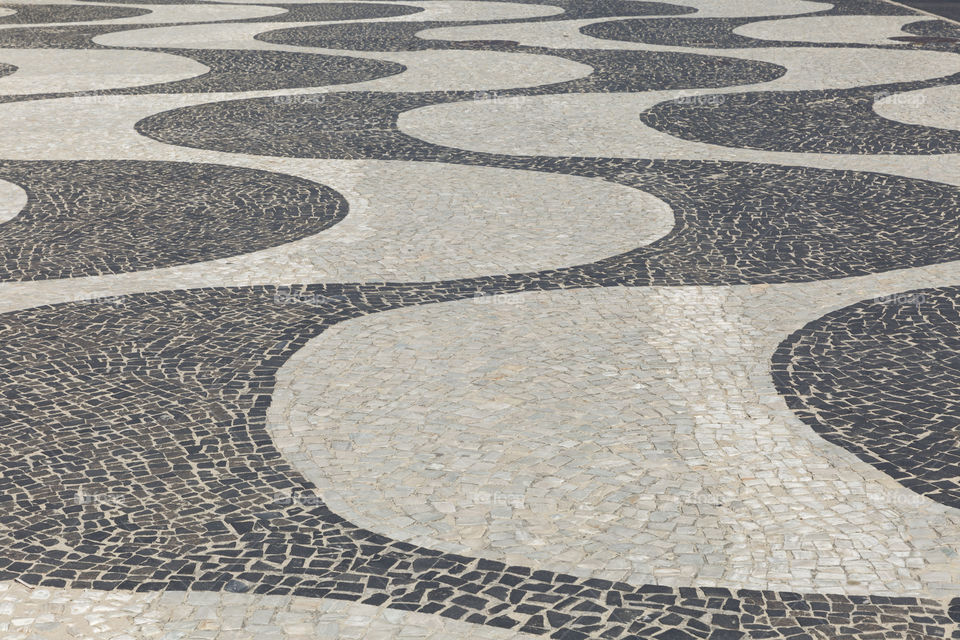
473	221
565	34
827	29
447	10
627	434
932	107
5	11
457	10
214	36
471	71
64	70
102	127
609	124
208	35
169	13
12	200
160	13
241	36
559	34
426	70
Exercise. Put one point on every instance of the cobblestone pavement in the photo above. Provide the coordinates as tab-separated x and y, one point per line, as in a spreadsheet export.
479	319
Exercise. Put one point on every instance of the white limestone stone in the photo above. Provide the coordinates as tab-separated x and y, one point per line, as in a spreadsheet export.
932	107
12	200
65	70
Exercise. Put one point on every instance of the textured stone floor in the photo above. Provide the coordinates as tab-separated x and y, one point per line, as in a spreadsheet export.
479	319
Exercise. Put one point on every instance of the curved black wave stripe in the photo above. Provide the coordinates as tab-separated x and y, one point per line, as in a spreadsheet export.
572	9
933	28
578	10
736	222
307	12
373	36
316	12
932	34
63	37
682	32
151	468
880	378
710	32
43	13
242	70
6	69
88	218
239	70
836	121
718	32
79	37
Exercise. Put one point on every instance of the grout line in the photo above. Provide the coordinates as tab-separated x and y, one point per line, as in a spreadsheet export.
923	11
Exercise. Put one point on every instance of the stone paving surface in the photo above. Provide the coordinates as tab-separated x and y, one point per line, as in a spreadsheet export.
479	319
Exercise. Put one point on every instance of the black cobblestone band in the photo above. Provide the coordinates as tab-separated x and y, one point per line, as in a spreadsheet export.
49	13
237	70
880	379
837	121
99	217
